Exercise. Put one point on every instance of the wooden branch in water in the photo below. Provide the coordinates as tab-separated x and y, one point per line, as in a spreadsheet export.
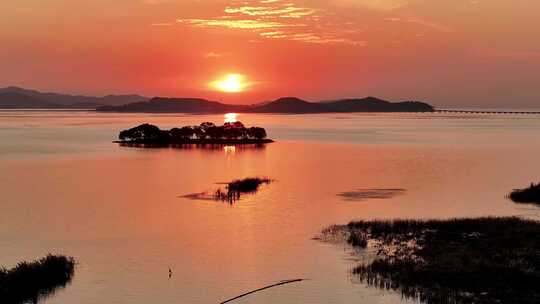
261	289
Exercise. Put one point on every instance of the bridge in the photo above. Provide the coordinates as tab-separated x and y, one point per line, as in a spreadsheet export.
486	112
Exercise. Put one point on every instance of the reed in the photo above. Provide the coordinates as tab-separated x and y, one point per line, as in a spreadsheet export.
527	195
30	281
481	260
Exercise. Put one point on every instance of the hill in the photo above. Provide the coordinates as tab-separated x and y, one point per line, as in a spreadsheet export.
174	105
10	100
56	100
290	105
20	98
373	104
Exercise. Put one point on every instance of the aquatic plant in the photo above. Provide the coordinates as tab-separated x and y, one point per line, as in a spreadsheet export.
233	191
527	195
30	281
482	260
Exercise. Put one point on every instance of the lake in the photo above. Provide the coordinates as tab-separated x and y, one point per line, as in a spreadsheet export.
120	212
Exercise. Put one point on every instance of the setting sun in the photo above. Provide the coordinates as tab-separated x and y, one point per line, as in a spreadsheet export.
231	83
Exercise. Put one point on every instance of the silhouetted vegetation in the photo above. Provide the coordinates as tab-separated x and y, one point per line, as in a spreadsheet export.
206	133
28	282
233	190
364	194
527	195
484	260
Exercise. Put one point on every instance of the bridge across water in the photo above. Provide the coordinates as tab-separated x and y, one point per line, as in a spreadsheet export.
486	112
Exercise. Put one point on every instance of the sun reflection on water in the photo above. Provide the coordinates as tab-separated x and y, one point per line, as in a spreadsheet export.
231	117
229	149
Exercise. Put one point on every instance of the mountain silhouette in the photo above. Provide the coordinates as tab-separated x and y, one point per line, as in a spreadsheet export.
174	105
288	105
56	100
12	100
20	98
292	105
373	104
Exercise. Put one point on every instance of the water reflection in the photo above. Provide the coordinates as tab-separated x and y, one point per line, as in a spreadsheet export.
228	149
365	194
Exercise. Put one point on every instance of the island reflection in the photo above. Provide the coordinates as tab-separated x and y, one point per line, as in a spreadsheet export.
205	147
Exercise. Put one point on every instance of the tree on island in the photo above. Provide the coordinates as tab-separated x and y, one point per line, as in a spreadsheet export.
207	131
257	133
181	133
144	132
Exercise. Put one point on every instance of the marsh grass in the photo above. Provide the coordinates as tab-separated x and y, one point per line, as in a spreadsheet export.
235	189
527	195
483	260
28	282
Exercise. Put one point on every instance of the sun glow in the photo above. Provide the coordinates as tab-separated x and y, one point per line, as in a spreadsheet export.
231	118
231	83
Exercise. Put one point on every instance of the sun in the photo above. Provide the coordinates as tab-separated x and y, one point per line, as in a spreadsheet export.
231	83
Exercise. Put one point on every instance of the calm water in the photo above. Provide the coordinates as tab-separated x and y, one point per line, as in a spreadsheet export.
66	189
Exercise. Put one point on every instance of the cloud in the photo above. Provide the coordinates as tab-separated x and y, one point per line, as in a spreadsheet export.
380	5
154	2
213	55
235	24
424	23
282	20
285	11
162	24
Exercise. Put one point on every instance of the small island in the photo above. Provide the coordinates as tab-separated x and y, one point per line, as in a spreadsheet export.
207	133
527	195
28	282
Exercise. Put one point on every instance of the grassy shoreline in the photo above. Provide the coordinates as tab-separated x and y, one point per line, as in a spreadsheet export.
481	260
31	281
530	195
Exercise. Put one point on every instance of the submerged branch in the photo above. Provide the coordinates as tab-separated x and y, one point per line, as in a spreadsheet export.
261	289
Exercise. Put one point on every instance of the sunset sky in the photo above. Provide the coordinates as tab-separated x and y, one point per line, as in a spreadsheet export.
446	52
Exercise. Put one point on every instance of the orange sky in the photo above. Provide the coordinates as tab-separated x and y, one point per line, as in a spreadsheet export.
447	52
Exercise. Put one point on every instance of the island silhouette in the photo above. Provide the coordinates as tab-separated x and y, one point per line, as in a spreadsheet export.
21	98
528	195
287	105
207	133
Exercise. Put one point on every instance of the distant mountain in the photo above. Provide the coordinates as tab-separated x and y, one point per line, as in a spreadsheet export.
174	105
12	100
373	104
291	105
15	97
288	105
55	100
